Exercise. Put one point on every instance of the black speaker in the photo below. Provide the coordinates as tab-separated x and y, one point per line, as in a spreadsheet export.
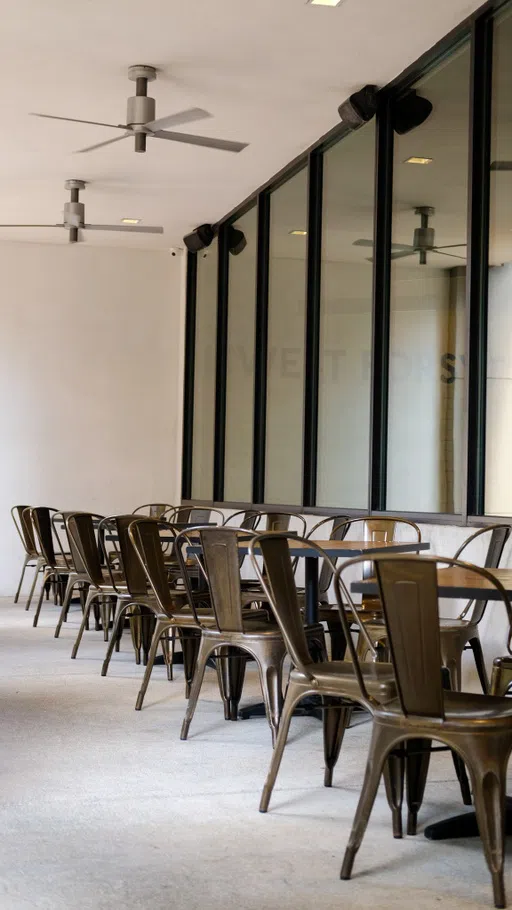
410	111
236	240
360	107
199	239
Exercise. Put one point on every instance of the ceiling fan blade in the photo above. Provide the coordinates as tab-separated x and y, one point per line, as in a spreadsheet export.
112	126
449	246
90	148
501	166
402	253
221	144
31	225
126	228
189	116
396	246
451	255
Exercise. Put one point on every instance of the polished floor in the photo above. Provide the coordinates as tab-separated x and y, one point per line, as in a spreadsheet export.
103	807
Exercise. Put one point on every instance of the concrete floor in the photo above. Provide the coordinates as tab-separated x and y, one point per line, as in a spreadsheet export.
103	807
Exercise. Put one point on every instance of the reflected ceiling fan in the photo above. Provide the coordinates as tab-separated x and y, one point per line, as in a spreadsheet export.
423	240
74	218
141	122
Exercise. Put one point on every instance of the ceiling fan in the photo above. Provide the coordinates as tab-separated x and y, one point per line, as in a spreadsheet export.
423	240
141	122
74	218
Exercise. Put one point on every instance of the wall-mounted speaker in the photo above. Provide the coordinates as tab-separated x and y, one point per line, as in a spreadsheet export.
236	240
410	111
360	107
199	239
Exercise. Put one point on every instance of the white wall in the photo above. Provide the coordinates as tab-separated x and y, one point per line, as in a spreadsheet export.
90	381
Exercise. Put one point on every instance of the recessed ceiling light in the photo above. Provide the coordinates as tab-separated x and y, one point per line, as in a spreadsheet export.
130	220
417	160
299	233
325	2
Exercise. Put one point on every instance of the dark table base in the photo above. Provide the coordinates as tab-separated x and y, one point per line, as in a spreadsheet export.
464	825
311	706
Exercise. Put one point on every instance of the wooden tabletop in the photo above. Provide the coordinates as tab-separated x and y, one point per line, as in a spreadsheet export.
335	548
453	581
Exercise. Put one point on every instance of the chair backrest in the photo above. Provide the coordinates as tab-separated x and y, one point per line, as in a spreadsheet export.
222	564
144	536
377	530
281	521
41	517
78	563
408	594
80	528
337	531
134	574
194	515
498	536
154	509
24	528
246	518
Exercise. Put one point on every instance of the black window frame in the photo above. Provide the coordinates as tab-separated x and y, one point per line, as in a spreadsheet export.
478	30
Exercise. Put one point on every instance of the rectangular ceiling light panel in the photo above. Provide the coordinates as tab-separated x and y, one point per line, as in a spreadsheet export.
325	2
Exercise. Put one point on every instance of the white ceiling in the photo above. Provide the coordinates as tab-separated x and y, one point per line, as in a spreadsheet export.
272	72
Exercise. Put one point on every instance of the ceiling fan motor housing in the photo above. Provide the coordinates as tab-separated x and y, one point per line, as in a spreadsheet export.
74	214
423	238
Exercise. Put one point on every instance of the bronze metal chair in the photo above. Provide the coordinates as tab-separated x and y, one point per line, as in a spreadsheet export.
281	521
154	509
327	612
78	574
330	679
56	568
477	726
33	557
262	640
501	679
194	515
460	634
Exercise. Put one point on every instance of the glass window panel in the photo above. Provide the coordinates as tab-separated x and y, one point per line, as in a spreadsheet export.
204	375
498	476
346	322
426	382
285	371
240	369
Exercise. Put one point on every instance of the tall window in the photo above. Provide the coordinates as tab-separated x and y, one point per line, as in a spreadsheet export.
285	370
346	322
204	375
240	366
428	294
498	474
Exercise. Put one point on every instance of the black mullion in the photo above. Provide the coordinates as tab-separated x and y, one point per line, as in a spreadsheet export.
381	305
312	346
478	257
261	349
188	381
221	366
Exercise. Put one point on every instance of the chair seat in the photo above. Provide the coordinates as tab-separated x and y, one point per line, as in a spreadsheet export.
455	625
460	708
338	676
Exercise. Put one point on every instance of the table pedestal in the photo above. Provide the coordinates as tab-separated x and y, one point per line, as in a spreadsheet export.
464	825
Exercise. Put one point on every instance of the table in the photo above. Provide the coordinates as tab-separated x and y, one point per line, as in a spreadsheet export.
458	583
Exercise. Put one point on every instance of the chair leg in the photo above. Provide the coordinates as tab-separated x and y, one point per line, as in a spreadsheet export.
25	564
65	604
161	626
381	742
47	577
91	597
476	647
37	570
417	761
501	679
230	664
293	696
167	644
394	781
336	720
206	648
122	608
136	632
270	666
489	778
105	616
190	643
338	640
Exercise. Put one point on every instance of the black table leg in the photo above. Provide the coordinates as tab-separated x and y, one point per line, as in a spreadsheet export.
464	825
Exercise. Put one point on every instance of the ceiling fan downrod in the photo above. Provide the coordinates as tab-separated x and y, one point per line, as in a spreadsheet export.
141	108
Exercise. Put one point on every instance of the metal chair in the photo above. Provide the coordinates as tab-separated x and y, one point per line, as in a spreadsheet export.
460	634
327	612
154	509
262	640
281	521
32	557
478	727
194	515
55	568
78	574
245	518
329	679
